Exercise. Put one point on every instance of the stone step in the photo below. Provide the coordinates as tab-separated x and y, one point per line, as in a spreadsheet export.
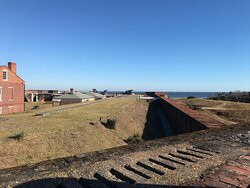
158	170
139	172
108	179
122	176
128	176
200	151
183	157
190	153
162	163
146	173
206	149
174	161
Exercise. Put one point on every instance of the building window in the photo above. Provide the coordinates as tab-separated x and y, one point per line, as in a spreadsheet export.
5	75
10	109
1	110
1	94
11	93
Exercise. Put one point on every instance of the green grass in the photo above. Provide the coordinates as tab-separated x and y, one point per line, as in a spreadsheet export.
136	138
18	136
110	124
228	112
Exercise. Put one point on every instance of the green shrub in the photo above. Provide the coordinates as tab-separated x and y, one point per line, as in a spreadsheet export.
73	135
136	138
190	97
18	136
110	124
36	107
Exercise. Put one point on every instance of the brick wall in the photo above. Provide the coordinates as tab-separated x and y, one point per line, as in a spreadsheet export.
12	93
184	119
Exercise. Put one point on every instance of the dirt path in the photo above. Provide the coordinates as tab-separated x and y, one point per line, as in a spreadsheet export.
69	107
65	108
218	107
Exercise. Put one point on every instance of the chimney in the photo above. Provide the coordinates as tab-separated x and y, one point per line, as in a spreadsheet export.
71	90
12	66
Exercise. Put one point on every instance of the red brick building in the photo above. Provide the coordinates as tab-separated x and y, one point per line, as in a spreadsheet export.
11	90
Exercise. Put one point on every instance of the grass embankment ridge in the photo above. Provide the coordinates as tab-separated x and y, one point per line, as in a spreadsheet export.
68	132
224	111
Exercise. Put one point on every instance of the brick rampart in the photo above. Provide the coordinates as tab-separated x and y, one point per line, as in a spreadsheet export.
184	119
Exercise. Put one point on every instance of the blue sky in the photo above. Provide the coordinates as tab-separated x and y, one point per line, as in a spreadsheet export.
170	45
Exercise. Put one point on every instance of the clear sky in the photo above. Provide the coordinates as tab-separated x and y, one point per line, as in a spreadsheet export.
170	45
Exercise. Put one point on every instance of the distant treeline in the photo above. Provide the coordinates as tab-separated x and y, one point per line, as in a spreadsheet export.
233	96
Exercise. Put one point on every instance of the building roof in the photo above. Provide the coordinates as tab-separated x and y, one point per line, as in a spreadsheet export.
50	91
4	66
75	95
95	94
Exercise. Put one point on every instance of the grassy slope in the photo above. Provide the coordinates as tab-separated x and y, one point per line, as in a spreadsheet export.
227	112
68	132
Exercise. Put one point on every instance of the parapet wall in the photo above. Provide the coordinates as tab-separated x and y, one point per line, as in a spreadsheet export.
200	153
180	121
184	119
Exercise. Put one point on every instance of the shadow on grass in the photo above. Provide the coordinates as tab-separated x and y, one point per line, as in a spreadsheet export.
154	125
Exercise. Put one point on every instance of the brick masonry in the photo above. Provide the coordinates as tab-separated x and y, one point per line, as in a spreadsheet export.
12	91
236	173
185	119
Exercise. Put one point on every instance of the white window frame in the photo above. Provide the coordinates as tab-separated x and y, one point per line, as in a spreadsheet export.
6	71
1	94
